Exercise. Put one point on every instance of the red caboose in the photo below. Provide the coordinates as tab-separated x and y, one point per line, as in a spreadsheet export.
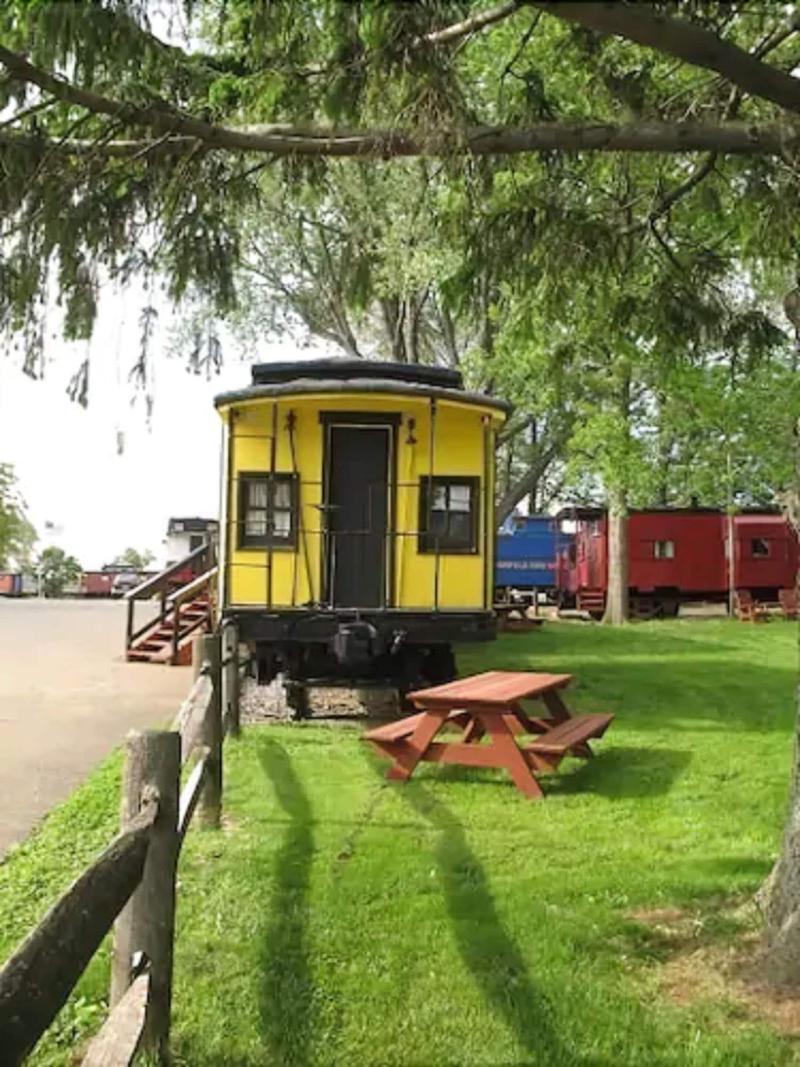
677	555
97	583
765	554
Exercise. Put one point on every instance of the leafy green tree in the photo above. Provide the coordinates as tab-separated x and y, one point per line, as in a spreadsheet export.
730	433
137	561
57	570
17	535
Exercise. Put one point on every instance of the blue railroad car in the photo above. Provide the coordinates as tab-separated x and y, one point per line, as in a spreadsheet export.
527	555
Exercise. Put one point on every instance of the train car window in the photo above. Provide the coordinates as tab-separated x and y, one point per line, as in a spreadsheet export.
760	548
267	510
664	549
448	513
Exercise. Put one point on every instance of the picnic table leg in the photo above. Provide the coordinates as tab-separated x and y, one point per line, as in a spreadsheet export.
560	712
473	731
556	706
471	728
513	725
411	751
513	760
529	724
583	751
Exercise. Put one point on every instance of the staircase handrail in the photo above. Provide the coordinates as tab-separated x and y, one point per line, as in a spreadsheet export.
187	592
159	582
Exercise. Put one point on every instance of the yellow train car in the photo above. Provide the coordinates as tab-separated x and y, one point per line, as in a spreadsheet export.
357	536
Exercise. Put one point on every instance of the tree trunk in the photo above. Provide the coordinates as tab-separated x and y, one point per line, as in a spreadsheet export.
533	496
779	896
617	594
411	329
523	485
392	311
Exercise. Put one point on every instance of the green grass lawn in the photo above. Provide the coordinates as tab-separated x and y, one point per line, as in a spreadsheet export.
340	919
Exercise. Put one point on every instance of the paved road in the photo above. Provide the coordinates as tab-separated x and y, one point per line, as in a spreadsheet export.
67	698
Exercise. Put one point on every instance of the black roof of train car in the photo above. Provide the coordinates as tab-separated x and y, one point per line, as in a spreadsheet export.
364	376
346	369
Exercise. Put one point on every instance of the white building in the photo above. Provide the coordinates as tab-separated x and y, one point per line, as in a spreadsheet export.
185	535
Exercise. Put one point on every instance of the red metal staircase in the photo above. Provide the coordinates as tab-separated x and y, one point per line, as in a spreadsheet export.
592	601
185	591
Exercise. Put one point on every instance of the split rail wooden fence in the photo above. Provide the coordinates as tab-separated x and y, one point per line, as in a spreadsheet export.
131	885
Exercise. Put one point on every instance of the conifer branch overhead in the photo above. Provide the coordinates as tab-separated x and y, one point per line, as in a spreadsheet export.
684	40
734	138
479	21
287	140
557	138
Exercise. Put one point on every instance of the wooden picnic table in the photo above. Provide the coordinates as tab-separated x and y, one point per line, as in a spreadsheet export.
487	709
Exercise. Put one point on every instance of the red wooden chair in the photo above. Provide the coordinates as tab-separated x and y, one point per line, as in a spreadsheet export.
788	602
747	609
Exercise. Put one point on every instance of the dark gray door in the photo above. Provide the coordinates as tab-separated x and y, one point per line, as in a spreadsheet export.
358	468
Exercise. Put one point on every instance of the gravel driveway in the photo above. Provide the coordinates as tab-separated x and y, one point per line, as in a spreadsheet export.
67	697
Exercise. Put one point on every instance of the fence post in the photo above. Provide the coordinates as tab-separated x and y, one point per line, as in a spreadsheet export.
211	801
231	678
147	923
197	656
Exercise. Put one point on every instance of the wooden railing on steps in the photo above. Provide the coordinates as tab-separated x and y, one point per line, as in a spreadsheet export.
202	562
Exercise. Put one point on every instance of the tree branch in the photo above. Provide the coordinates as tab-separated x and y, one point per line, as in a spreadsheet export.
186	133
668	200
702	170
475	22
523	485
685	41
767	139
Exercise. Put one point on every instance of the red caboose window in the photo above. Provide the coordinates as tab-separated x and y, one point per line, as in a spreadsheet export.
760	548
664	549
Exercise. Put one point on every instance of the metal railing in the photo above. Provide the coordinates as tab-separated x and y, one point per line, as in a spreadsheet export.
313	547
172	595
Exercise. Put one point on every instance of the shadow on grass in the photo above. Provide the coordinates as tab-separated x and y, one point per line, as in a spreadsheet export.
287	990
497	965
619	772
622	771
655	684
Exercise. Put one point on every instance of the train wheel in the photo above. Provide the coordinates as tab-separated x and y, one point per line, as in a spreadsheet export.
440	665
297	700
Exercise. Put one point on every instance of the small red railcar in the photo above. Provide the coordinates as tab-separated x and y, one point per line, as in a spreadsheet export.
97	583
10	584
677	555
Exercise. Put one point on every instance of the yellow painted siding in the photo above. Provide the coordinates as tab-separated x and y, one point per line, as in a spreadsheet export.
464	581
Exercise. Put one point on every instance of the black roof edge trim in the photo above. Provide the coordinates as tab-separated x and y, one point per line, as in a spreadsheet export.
580	511
361	385
341	369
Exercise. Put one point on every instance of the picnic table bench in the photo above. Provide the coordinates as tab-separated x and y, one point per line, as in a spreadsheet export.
488	707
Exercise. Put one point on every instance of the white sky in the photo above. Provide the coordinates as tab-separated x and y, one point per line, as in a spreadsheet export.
66	457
